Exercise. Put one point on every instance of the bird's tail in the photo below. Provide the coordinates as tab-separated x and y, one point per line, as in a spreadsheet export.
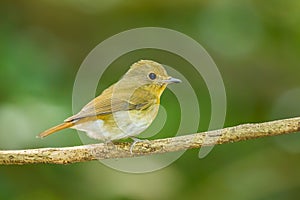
55	129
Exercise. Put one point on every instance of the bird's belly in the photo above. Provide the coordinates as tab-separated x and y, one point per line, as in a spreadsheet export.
122	124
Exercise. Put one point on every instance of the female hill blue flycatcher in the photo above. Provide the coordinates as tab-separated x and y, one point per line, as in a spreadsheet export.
126	108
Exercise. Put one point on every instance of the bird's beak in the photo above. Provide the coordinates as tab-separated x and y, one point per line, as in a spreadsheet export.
172	80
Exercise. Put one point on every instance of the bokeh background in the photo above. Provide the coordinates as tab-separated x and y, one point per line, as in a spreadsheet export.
255	44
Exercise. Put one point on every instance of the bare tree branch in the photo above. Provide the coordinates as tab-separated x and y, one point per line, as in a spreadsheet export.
122	149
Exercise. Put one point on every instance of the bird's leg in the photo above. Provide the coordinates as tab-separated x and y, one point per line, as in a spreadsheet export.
109	143
135	140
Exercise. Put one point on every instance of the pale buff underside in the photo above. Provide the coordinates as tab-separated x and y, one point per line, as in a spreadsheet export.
121	124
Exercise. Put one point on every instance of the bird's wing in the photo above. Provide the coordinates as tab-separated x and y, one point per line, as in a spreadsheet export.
103	104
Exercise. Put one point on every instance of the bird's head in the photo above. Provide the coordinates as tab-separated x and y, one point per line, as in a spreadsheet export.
148	72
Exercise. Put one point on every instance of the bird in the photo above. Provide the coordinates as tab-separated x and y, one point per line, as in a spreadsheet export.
125	109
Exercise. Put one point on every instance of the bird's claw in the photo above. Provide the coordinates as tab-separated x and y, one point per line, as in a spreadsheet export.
135	140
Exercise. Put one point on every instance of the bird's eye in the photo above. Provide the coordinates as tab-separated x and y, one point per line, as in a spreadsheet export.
152	76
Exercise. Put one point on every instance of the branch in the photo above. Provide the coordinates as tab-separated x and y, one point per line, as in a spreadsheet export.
122	149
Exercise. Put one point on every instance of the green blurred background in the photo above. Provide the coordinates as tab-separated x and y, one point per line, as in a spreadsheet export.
255	44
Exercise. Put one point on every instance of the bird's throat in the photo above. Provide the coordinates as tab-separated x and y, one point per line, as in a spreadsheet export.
156	90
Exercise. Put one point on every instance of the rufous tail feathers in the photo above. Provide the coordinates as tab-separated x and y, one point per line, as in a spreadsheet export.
55	129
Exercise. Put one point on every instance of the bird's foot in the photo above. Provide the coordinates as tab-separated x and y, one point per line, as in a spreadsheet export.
135	140
110	144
